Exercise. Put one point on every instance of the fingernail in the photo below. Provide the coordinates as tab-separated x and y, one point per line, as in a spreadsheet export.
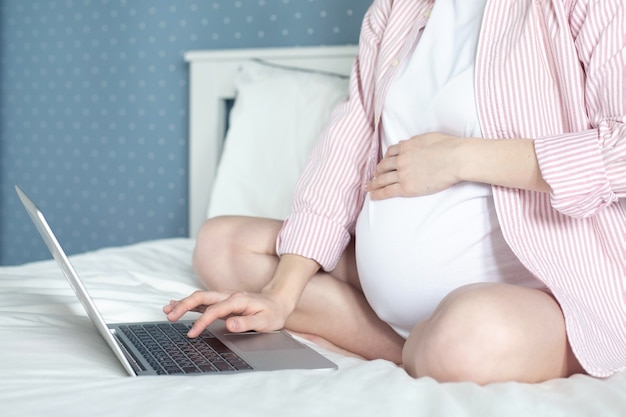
233	324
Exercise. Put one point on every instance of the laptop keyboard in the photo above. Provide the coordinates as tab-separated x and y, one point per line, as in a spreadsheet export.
168	350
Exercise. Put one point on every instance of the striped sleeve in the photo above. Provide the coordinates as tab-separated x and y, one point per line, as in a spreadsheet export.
573	166
330	190
587	170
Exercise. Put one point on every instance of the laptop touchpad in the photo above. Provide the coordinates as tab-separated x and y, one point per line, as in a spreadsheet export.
253	342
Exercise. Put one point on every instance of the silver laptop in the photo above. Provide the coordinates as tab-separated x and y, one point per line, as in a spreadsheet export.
162	348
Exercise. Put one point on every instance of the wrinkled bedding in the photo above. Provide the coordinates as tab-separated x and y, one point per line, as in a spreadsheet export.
54	363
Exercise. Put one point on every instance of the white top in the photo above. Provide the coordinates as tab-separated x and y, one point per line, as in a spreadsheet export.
411	252
440	72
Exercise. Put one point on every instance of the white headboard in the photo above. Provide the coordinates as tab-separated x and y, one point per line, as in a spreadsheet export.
212	83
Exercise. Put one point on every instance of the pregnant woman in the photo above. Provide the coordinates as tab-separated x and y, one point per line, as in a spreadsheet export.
463	213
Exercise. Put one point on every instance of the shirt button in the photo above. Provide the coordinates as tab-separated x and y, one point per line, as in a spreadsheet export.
395	63
376	119
427	14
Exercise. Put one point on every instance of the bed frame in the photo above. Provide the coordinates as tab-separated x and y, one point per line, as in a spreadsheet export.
212	85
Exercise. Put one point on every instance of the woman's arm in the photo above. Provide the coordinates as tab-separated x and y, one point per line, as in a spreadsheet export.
504	162
432	162
586	169
325	205
329	192
265	311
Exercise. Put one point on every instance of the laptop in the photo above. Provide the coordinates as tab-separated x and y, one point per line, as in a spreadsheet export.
162	348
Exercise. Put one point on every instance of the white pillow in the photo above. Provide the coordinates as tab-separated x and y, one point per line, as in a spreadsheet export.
278	115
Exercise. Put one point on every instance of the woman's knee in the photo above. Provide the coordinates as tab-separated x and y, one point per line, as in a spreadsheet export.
455	343
212	251
478	333
235	253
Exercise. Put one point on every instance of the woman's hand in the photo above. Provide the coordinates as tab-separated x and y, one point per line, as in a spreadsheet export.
265	311
242	311
433	162
424	164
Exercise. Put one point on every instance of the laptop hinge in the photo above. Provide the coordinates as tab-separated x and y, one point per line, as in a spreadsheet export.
134	362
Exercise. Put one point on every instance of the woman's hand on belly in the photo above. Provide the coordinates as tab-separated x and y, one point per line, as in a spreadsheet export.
433	162
422	165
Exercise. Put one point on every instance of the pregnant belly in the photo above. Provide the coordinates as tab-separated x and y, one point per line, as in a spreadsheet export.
411	252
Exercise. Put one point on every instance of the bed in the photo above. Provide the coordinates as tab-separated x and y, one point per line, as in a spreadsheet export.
55	363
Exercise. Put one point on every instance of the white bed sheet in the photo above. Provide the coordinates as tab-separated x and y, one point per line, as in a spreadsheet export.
54	363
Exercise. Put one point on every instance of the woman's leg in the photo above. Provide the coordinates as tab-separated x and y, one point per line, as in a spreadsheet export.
238	253
490	333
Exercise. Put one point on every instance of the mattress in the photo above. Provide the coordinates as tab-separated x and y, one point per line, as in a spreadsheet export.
55	363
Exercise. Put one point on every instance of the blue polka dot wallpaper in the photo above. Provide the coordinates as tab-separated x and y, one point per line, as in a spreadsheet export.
94	107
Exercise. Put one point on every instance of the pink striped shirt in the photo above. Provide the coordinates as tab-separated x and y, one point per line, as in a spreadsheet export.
553	71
